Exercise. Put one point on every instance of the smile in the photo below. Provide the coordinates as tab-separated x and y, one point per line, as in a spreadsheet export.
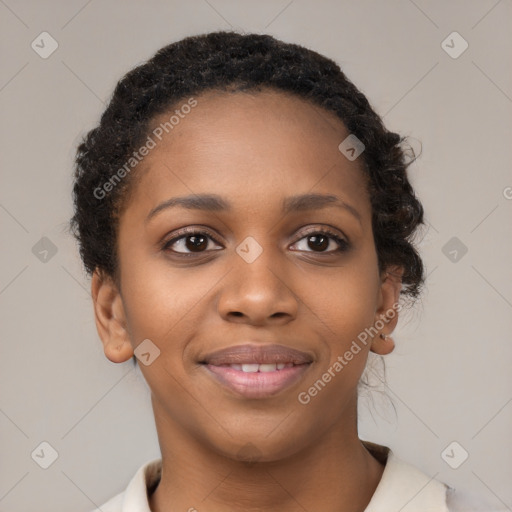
255	383
255	370
254	367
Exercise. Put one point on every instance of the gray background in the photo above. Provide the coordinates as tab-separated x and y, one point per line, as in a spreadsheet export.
449	377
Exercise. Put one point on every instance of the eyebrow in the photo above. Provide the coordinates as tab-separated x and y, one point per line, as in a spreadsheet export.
215	203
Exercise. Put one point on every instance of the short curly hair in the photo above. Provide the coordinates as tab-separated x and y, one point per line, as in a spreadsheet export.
227	60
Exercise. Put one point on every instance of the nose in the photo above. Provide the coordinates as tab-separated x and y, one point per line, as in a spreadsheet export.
257	293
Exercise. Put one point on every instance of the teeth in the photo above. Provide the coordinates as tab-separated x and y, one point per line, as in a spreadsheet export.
250	368
253	367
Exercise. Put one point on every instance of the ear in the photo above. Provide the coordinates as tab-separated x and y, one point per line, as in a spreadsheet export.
110	318
386	315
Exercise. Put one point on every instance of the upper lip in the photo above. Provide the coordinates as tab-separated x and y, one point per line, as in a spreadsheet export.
256	354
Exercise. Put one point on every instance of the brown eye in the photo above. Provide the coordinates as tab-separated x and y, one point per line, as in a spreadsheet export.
318	242
322	241
196	243
193	242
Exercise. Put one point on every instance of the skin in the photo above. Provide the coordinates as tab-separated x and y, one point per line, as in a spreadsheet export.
221	451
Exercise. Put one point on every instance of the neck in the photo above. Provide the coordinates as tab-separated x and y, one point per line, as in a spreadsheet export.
335	473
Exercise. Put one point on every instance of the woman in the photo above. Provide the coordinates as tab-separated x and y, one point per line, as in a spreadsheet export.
247	221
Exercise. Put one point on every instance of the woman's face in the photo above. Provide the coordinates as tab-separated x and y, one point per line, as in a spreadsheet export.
253	270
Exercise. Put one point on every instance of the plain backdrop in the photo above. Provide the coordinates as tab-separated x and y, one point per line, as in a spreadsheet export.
449	377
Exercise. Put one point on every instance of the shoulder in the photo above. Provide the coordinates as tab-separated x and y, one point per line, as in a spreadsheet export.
135	496
463	501
405	487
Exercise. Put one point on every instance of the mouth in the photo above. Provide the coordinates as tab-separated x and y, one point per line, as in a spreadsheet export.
256	371
257	367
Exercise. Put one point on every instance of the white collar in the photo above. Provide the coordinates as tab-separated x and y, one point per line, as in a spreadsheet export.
402	487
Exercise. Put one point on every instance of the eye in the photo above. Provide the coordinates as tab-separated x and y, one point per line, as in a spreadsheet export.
189	242
321	240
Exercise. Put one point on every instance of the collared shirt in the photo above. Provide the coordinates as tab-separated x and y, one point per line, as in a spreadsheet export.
402	487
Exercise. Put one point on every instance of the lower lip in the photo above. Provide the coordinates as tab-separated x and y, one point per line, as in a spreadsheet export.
257	384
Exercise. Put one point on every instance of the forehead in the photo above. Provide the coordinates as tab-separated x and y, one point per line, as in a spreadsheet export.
249	146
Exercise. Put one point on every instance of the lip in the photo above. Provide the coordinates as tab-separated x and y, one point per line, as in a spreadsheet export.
259	384
257	354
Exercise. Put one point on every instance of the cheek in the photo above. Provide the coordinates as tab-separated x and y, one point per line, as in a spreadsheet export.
348	308
161	303
153	298
350	301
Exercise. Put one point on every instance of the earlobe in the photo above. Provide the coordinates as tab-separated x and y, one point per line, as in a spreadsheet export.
110	318
386	316
383	344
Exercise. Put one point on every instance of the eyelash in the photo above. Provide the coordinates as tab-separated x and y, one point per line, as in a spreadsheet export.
342	243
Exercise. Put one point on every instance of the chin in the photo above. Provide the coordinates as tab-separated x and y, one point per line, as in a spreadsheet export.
258	448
